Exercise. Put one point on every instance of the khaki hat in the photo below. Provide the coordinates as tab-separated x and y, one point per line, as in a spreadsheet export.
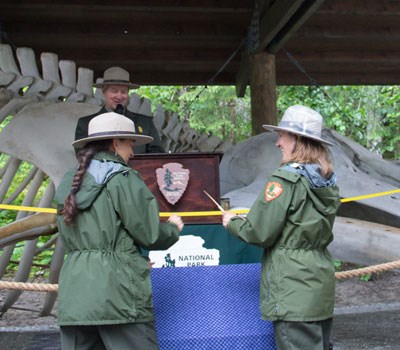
116	76
301	120
112	125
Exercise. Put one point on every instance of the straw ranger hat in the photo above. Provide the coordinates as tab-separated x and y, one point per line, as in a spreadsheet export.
112	126
116	76
301	121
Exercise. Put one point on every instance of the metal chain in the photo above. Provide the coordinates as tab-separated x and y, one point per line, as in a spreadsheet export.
313	82
253	31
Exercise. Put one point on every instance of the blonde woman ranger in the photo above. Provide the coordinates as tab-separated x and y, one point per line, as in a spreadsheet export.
292	220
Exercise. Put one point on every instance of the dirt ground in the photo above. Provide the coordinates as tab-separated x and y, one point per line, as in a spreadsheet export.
382	288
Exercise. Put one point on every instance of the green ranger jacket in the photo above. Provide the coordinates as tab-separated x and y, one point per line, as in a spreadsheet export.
104	278
293	223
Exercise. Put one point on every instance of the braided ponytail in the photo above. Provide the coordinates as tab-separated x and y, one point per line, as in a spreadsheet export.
85	156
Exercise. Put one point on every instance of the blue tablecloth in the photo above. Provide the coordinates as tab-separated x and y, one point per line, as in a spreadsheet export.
211	307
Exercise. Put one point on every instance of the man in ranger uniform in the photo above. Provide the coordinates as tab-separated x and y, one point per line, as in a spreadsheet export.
115	88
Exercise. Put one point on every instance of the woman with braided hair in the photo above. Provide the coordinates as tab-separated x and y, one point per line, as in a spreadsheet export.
106	214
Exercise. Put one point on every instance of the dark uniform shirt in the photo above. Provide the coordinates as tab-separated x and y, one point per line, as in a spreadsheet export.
143	125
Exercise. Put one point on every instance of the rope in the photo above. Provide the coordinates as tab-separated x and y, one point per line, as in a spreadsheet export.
36	287
48	287
370	269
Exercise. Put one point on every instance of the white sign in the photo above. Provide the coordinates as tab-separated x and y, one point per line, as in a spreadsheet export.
188	251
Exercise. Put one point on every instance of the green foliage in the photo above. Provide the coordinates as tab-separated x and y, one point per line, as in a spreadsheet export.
337	264
23	170
5	122
345	266
7	217
18	250
369	115
367	277
41	261
217	110
167	96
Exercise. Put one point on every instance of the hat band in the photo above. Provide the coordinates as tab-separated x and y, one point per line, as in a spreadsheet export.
108	81
112	133
299	127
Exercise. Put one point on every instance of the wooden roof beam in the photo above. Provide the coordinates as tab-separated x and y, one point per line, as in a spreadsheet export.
279	23
273	20
297	20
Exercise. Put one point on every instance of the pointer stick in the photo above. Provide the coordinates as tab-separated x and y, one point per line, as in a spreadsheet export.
214	201
219	207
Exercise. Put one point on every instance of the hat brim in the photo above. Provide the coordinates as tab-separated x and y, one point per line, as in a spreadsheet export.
129	85
139	139
277	128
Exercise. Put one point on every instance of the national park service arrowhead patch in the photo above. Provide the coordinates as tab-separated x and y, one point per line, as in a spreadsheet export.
273	190
172	180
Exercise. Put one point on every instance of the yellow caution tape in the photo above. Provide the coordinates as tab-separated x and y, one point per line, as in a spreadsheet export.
163	214
201	213
369	196
24	208
190	213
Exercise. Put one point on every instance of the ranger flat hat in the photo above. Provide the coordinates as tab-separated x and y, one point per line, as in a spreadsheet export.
303	121
116	76
112	125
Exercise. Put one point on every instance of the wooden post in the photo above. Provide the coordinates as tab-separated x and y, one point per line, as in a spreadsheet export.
263	91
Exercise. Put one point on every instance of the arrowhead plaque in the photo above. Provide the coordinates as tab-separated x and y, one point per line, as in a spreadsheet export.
172	181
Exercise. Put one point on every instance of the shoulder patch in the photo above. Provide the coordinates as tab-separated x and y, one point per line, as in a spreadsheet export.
273	191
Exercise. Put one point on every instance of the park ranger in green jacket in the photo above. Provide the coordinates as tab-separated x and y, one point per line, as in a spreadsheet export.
292	220
107	214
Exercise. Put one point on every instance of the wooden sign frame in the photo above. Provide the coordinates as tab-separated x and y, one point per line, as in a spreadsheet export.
204	175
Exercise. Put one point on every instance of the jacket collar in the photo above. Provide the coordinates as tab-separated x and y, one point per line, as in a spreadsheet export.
108	157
